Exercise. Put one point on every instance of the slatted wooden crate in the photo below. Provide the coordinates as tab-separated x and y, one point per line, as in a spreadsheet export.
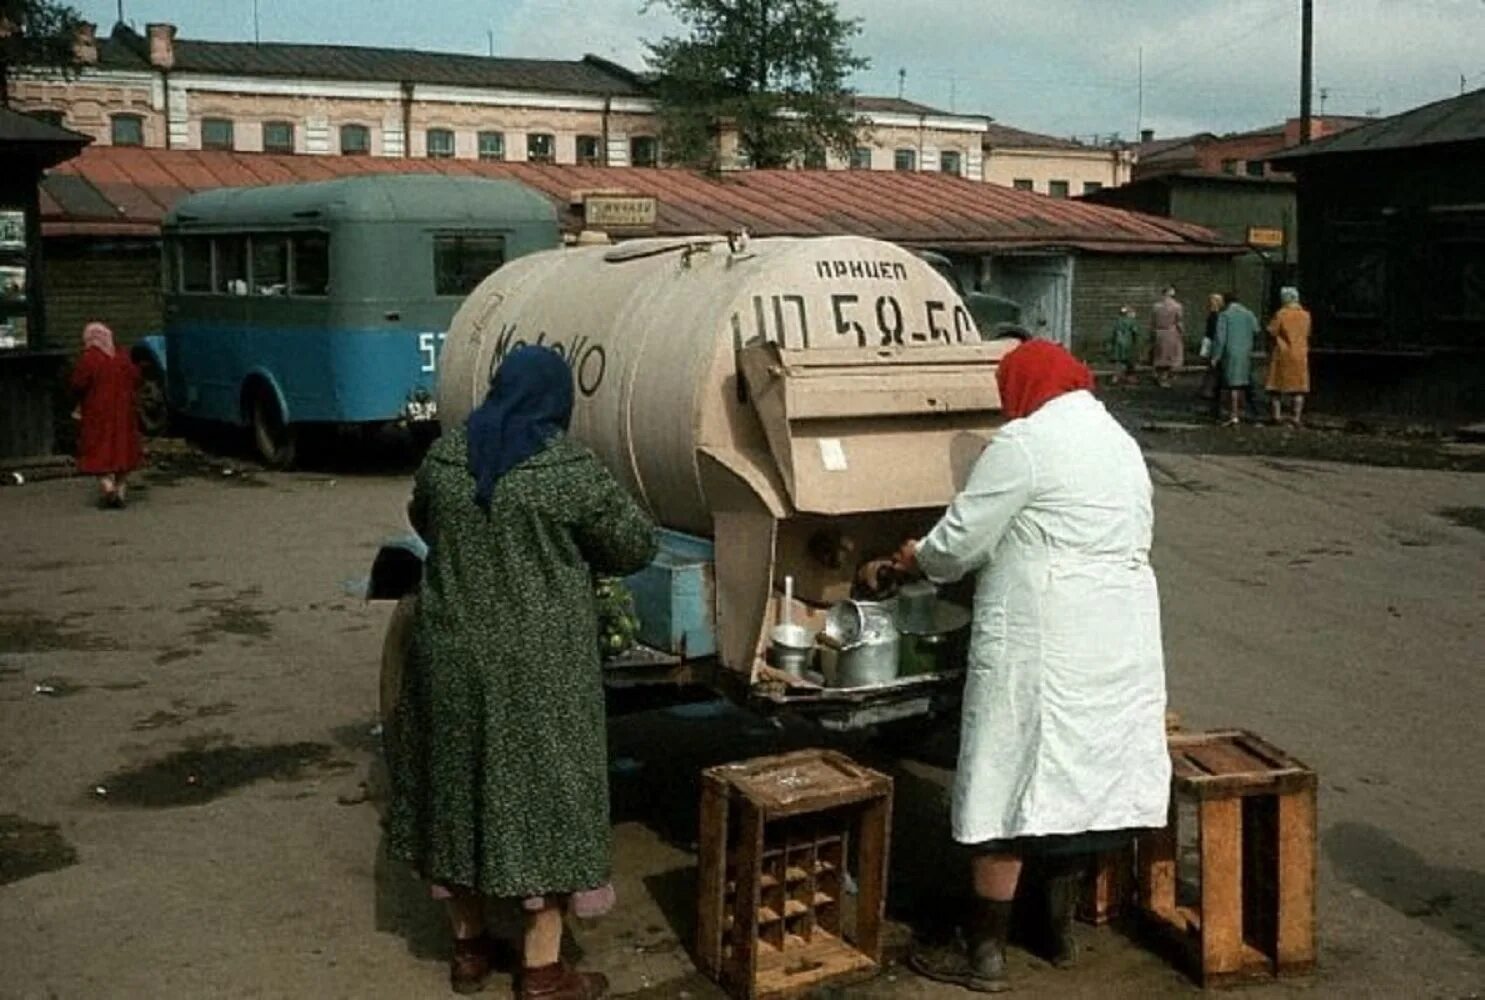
1256	839
774	918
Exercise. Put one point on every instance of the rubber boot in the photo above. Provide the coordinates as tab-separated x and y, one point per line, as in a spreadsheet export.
1063	887
561	982
980	965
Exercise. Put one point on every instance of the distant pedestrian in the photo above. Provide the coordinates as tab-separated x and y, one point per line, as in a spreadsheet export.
1122	340
1232	353
105	382
1289	364
1168	331
1211	380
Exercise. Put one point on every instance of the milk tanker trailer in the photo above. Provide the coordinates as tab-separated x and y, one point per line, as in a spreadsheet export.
787	409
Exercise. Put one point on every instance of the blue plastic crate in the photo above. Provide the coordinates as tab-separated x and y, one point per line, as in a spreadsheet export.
674	597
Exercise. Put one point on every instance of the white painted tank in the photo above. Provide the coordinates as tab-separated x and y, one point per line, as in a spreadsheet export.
653	330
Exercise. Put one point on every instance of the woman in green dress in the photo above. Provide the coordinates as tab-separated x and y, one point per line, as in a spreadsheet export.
1122	340
497	745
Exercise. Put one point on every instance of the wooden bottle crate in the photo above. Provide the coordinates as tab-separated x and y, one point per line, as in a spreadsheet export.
774	918
1256	836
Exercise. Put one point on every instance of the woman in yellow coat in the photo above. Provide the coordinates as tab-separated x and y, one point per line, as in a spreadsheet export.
1289	363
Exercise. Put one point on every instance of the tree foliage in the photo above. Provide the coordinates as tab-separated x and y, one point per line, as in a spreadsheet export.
776	70
35	33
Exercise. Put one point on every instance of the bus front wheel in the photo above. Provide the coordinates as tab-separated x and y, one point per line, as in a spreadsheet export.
151	402
273	438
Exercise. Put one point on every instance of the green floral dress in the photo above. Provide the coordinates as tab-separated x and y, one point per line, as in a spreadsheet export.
497	747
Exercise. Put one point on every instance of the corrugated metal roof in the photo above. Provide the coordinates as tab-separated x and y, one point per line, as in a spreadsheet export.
126	49
922	209
1000	136
21	128
894	105
1458	119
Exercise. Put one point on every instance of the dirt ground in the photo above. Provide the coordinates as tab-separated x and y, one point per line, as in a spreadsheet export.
189	791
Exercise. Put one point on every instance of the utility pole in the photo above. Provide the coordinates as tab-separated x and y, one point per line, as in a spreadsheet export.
121	11
1306	71
901	82
1139	122
490	37
256	36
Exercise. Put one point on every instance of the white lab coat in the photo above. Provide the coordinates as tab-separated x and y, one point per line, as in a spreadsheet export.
1064	705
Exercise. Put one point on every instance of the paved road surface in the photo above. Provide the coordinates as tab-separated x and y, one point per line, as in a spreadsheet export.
184	814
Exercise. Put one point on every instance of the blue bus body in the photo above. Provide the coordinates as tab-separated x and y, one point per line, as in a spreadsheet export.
327	302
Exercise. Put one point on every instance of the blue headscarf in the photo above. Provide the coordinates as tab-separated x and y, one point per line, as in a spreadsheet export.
530	402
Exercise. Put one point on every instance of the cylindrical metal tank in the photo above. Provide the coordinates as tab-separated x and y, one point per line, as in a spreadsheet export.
652	330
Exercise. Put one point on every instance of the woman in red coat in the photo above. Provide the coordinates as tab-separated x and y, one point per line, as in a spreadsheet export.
108	441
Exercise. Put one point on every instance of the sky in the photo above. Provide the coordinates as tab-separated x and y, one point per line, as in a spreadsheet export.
1065	67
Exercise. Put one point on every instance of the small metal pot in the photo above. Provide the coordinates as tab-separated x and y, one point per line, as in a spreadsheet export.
792	649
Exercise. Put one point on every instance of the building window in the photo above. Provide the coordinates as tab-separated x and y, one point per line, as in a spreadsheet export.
951	162
461	262
440	144
278	137
644	151
1229	166
861	158
1058	189
541	147
1092	187
216	133
1254	168
1023	184
127	130
355	140
589	150
491	145
905	159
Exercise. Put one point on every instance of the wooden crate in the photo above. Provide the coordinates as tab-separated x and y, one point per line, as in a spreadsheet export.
1256	834
776	834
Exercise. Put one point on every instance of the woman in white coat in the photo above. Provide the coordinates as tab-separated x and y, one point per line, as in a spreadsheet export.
1063	748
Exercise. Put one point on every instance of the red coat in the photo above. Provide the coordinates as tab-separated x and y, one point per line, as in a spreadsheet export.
108	440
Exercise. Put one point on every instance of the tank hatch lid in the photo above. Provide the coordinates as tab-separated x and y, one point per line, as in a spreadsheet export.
639	249
856	430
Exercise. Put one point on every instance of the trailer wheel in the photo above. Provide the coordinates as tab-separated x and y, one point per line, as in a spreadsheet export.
150	402
274	439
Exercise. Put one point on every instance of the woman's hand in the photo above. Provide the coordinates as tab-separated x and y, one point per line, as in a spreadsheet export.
906	559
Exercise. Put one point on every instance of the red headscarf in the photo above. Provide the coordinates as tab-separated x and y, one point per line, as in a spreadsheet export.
1036	373
97	335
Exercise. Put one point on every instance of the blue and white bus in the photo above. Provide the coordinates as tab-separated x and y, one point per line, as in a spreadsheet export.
326	303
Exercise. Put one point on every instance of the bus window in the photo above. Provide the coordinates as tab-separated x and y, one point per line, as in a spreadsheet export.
231	270
460	262
270	265
311	264
195	264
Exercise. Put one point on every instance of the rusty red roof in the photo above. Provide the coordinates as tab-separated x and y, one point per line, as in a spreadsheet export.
127	191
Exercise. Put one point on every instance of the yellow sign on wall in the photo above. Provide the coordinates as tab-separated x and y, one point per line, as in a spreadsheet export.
607	211
1266	237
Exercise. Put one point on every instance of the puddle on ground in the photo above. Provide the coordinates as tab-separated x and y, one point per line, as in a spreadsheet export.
229	616
124	685
365	736
58	687
199	773
173	655
29	632
28	848
182	714
1465	517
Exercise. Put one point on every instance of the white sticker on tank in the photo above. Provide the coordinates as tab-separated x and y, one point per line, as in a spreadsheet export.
833	454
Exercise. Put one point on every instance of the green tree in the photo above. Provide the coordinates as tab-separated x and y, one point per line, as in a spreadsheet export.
774	69
36	33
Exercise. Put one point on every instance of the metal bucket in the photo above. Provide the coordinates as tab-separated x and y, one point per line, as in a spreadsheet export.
792	649
865	642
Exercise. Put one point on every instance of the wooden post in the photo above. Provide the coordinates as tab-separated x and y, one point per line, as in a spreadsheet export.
711	881
744	964
871	893
1296	944
1157	867
1221	886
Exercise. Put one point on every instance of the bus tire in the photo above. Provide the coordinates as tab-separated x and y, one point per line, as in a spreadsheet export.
275	440
151	402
